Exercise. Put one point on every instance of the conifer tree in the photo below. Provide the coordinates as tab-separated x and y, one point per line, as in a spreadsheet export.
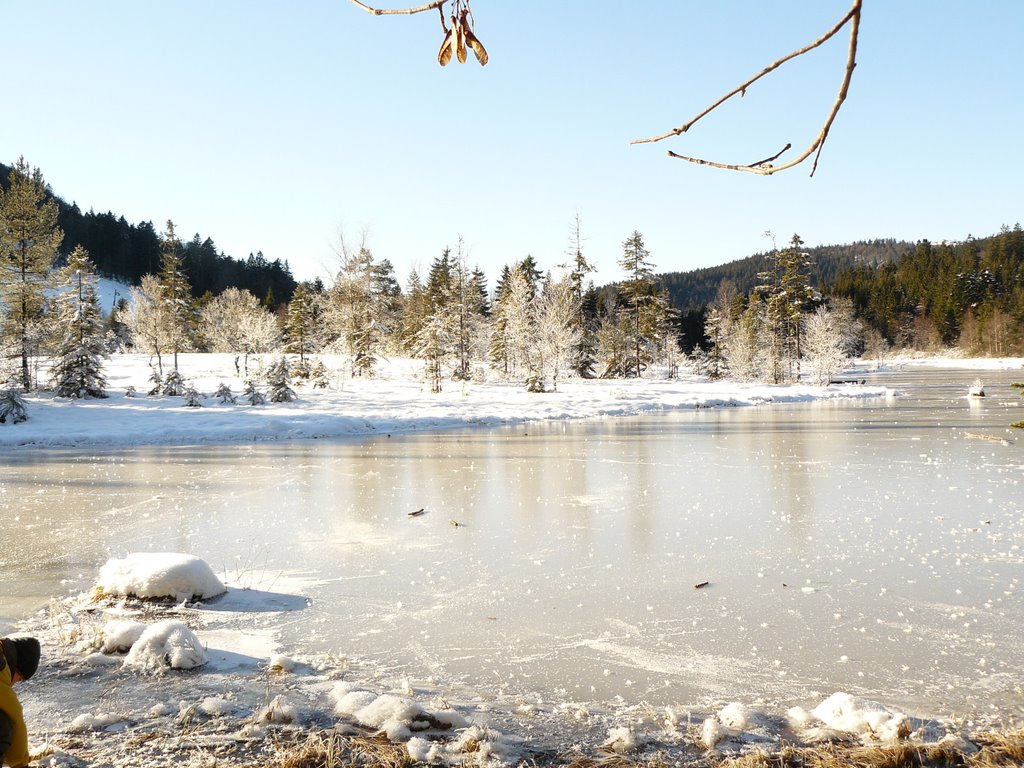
81	349
12	407
299	334
175	294
584	352
638	300
279	382
785	288
355	309
252	394
29	239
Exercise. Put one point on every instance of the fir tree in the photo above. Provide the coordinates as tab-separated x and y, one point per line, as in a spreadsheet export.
193	398
81	349
29	239
638	294
279	382
12	406
174	384
318	375
225	395
252	394
299	332
175	294
584	351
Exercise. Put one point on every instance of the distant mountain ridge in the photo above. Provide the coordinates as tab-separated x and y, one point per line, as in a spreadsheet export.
696	289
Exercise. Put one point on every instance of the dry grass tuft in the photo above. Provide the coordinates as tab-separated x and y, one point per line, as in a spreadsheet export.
999	749
329	749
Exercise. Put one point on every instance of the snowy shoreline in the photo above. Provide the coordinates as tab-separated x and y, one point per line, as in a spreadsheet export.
395	401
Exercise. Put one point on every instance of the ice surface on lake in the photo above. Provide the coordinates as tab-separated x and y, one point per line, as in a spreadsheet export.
867	547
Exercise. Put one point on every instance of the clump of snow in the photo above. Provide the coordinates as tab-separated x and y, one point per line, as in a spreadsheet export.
119	635
160	574
280	663
733	715
216	707
98	722
279	710
396	716
481	743
423	750
869	720
166	644
621	740
711	732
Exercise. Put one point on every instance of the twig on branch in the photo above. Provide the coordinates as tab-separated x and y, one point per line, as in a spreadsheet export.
765	167
406	11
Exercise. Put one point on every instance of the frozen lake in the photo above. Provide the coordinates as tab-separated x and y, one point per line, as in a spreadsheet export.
867	546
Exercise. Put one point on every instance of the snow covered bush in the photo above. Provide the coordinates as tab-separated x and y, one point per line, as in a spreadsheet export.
159	575
166	644
12	406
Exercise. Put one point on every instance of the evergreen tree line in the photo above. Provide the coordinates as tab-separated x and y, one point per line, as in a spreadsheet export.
968	294
127	252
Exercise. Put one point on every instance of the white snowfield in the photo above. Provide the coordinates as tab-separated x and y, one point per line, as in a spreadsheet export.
394	401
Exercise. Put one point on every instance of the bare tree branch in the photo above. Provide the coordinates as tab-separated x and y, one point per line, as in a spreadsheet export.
406	11
765	167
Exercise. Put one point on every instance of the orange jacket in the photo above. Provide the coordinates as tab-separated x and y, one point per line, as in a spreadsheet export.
17	754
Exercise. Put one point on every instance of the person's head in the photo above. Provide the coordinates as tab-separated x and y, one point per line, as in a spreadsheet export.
23	656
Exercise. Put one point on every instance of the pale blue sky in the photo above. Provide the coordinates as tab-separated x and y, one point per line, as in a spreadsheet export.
275	126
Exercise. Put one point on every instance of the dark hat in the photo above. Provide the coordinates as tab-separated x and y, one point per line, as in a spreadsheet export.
23	653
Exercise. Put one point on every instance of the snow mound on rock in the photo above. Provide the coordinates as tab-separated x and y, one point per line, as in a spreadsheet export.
166	644
160	574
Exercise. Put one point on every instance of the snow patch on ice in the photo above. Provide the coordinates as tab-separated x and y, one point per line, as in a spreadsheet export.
159	574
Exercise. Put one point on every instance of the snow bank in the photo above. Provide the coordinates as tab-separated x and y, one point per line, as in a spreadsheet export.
160	574
166	644
394	401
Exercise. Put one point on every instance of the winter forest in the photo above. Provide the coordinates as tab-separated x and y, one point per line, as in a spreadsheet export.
537	326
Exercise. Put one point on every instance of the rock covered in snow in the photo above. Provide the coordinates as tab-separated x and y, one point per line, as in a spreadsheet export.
160	574
166	644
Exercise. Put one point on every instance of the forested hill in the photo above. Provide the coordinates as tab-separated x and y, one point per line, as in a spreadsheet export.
125	251
694	290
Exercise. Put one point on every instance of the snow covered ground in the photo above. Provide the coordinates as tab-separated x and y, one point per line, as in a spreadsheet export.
395	401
